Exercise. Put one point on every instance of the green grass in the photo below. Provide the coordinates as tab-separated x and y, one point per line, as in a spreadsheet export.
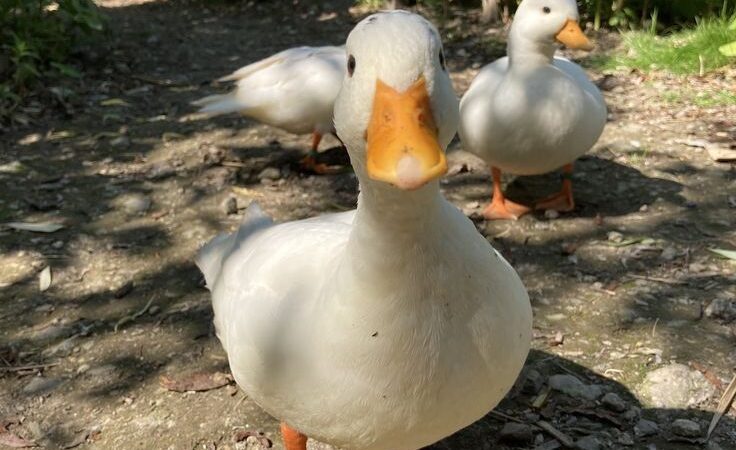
703	99
679	52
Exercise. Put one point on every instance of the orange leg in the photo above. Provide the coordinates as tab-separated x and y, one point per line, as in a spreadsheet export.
562	201
501	208
310	163
293	440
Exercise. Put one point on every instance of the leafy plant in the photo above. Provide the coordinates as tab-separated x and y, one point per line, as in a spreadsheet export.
730	48
687	51
36	39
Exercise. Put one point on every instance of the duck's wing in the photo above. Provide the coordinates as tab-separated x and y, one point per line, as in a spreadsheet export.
211	256
487	79
581	78
292	77
263	268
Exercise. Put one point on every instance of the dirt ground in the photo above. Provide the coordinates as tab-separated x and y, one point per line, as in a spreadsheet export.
620	287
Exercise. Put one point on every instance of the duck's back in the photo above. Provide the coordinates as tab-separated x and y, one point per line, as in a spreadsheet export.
294	90
534	122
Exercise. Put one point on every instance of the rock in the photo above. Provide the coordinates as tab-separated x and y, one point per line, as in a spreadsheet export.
569	385
685	428
722	308
516	433
551	214
134	203
615	236
613	402
269	173
645	428
533	382
41	385
588	443
626	439
160	170
230	205
676	386
668	254
120	141
633	414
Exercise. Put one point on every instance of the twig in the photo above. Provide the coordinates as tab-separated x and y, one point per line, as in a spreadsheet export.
132	317
723	406
654	328
659	280
28	367
500	415
165	83
559	435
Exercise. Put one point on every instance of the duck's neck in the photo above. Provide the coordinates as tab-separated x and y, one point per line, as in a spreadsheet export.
526	54
393	228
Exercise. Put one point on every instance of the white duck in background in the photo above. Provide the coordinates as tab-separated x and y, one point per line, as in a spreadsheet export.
294	90
391	326
532	113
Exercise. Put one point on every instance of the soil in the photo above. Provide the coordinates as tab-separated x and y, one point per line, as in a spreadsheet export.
618	286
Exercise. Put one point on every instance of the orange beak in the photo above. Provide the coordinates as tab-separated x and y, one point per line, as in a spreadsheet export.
572	36
402	138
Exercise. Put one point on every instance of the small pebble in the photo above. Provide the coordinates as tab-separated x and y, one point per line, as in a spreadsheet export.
645	428
551	214
588	443
614	402
230	205
516	433
269	173
686	428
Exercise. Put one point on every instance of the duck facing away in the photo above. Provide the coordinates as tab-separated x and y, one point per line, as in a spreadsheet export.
294	90
531	113
391	326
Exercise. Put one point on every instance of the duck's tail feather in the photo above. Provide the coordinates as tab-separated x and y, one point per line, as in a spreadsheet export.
214	105
211	256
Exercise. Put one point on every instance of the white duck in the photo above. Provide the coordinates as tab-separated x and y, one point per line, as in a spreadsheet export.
391	326
532	113
294	90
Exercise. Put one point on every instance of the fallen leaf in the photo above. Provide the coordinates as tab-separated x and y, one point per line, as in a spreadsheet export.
44	279
114	102
198	382
14	441
39	227
728	254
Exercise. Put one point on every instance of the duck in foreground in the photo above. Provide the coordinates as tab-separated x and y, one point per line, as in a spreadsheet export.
391	326
531	113
294	90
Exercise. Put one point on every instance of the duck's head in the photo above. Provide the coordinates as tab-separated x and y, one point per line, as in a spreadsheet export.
546	22
397	111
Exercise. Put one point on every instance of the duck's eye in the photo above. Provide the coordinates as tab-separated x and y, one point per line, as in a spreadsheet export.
546	10
442	60
351	65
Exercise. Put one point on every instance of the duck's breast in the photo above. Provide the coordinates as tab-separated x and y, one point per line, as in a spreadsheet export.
398	365
538	121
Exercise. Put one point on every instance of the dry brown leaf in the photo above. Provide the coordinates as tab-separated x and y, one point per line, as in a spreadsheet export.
14	441
196	382
723	406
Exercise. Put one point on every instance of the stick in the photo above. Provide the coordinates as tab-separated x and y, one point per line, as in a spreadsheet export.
28	367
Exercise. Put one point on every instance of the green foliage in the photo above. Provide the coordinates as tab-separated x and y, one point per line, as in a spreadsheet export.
683	52
730	48
36	39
